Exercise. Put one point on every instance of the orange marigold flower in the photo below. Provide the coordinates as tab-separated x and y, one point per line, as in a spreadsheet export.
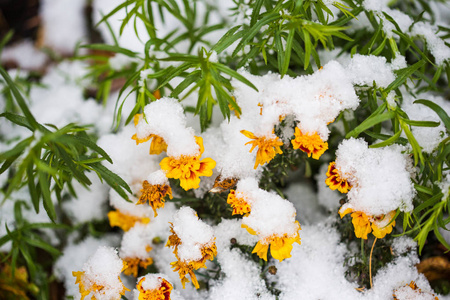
365	224
280	246
154	194
267	147
159	290
239	203
312	144
188	168
124	221
157	146
335	181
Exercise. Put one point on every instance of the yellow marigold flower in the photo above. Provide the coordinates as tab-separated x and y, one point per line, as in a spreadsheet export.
312	144
185	268
417	292
364	224
124	221
157	146
267	148
335	181
160	293
280	246
239	204
382	225
86	286
154	194
188	168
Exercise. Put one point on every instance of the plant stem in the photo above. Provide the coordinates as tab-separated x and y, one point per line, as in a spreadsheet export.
370	262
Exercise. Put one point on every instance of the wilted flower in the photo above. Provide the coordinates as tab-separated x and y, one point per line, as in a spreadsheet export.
154	194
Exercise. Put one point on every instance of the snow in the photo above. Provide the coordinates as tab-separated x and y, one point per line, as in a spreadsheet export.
193	233
68	12
379	177
25	55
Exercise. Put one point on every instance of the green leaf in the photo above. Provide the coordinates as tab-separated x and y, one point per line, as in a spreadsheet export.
403	75
45	190
32	188
228	39
234	74
423	189
439	110
415	145
191	78
421	123
20	100
387	142
370	122
440	237
249	34
37	242
287	58
17	119
308	47
110	48
114	181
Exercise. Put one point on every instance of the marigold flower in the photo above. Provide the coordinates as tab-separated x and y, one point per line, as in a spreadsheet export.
280	246
365	224
187	267
335	181
188	168
416	292
267	147
133	263
312	144
86	286
154	194
160	292
157	146
124	221
239	204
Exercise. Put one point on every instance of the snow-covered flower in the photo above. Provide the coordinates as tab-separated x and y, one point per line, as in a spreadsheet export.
335	180
239	203
280	245
154	194
153	287
193	244
312	144
124	221
101	276
157	146
267	147
365	224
